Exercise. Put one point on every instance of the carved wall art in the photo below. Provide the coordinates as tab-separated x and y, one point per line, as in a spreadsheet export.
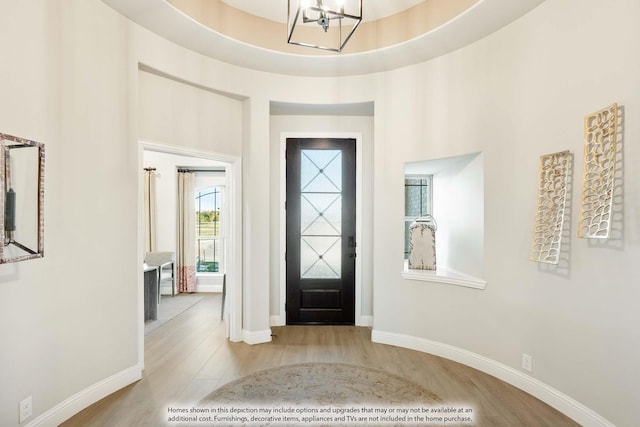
600	140
552	197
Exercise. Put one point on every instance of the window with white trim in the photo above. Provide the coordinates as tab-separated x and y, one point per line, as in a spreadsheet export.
417	202
208	243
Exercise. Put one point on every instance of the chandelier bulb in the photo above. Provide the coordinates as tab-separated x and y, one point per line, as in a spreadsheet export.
323	21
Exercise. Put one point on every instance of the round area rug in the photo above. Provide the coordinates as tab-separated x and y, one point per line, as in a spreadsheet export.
322	384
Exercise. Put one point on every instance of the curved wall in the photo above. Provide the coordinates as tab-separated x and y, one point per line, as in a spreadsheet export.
517	94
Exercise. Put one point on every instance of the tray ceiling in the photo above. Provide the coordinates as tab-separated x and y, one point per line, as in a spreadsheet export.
477	21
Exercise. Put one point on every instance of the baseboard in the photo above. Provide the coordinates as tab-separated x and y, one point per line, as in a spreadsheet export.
277	320
209	282
560	401
256	337
365	321
79	401
209	288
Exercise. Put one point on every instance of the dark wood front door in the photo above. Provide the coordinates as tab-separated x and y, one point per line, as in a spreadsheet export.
321	224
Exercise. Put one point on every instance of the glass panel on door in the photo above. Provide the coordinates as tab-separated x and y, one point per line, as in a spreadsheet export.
321	214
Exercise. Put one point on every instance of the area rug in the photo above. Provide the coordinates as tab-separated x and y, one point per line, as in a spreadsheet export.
169	308
322	384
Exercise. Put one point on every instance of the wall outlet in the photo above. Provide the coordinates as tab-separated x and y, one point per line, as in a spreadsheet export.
26	409
527	362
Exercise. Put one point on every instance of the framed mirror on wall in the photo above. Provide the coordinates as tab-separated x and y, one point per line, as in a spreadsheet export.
21	199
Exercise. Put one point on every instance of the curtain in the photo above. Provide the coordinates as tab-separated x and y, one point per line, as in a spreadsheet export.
149	209
186	256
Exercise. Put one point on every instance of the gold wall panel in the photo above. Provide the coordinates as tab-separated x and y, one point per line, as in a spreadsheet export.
552	197
600	138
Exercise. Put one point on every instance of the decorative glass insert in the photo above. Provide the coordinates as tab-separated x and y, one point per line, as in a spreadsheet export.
416	196
321	214
417	202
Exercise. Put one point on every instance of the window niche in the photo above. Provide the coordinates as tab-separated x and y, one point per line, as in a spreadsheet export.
21	199
457	204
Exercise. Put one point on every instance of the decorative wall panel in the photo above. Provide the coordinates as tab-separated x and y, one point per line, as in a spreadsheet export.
422	244
600	138
552	198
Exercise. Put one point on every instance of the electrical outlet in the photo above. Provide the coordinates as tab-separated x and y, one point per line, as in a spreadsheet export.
26	409
527	362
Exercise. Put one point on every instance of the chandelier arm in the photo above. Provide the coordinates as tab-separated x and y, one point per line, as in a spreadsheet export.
295	19
349	36
325	15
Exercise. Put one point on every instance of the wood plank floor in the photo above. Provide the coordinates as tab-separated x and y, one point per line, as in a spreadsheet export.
189	357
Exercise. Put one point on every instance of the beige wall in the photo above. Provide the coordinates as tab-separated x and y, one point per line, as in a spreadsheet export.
71	77
515	95
183	115
67	321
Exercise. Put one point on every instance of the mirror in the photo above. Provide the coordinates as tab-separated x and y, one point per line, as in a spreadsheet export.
21	199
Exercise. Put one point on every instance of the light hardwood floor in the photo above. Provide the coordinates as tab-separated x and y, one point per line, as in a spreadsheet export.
189	357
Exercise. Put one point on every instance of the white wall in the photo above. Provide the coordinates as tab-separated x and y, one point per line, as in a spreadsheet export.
520	93
65	324
74	83
178	114
458	199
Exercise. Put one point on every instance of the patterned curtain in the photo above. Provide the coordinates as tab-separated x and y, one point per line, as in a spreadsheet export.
186	257
149	209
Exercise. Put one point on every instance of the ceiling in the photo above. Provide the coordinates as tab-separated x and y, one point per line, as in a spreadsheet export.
474	23
277	10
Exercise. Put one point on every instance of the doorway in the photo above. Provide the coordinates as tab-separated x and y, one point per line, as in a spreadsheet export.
232	249
320	230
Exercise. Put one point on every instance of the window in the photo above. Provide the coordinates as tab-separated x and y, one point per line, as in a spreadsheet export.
208	244
417	202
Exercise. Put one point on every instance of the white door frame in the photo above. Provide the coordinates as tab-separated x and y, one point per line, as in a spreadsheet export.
233	249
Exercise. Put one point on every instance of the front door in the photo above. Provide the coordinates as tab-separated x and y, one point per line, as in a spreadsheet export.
321	224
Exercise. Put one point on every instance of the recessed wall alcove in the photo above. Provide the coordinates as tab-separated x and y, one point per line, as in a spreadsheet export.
458	207
347	120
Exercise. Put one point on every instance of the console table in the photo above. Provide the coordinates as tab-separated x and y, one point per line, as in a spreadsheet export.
150	293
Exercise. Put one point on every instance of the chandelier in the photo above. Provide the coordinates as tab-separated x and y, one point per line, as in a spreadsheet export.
337	18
